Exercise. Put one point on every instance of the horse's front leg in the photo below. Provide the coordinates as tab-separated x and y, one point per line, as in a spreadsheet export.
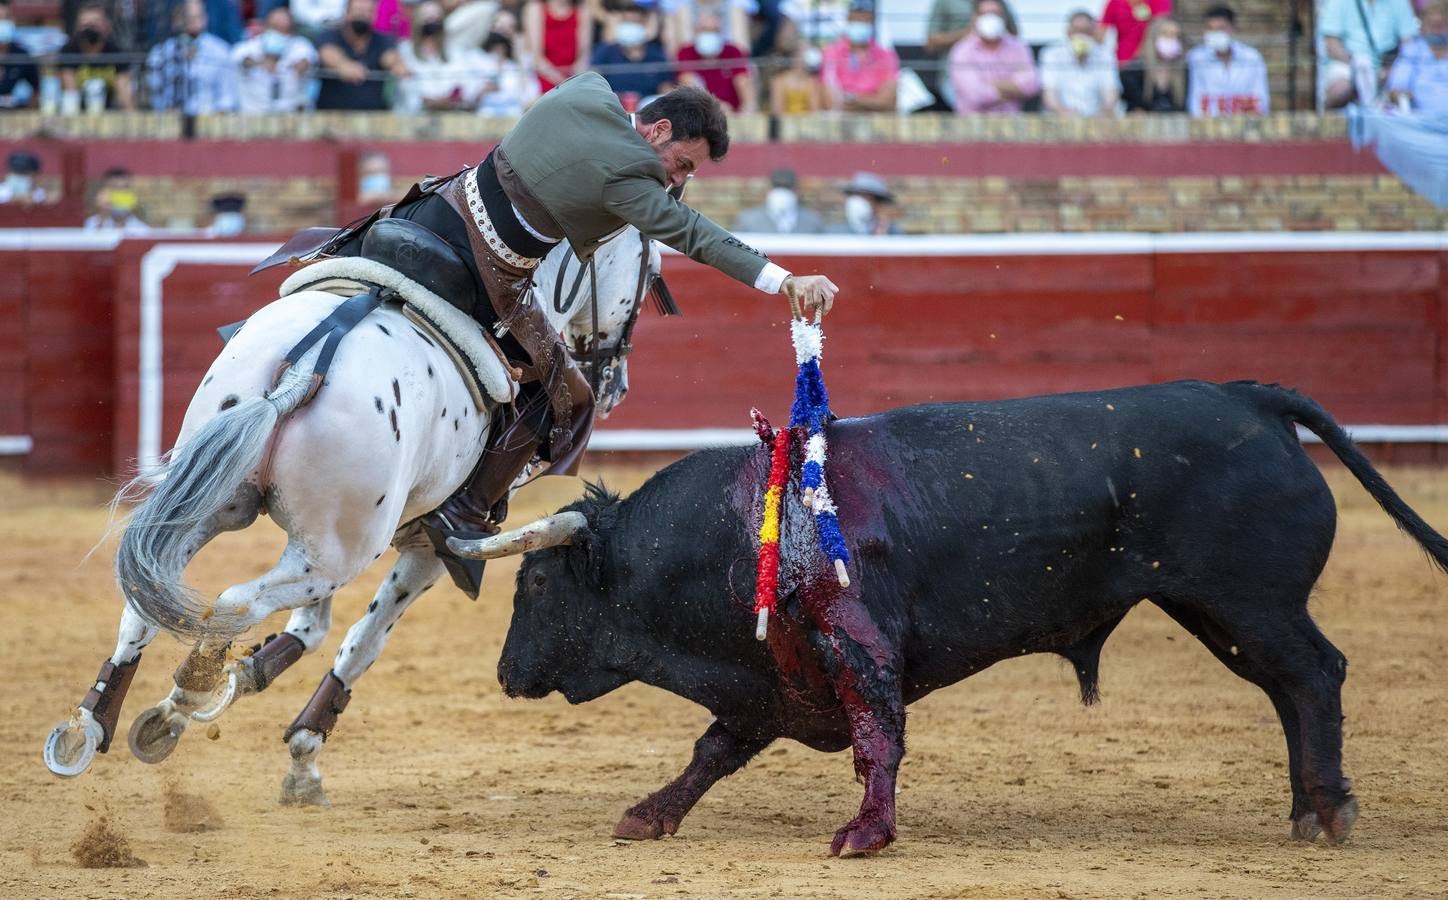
416	570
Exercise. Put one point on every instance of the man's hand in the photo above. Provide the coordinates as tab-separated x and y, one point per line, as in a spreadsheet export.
814	294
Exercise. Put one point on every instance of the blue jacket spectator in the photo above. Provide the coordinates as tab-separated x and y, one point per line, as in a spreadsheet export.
631	47
193	71
1419	77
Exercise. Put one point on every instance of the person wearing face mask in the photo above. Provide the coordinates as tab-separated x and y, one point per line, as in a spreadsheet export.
356	61
1131	19
720	68
441	78
634	66
19	77
860	74
115	206
228	216
1078	75
991	70
781	212
275	66
19	187
96	74
1165	61
869	207
798	91
192	71
1225	77
374	178
1419	77
681	21
509	87
576	167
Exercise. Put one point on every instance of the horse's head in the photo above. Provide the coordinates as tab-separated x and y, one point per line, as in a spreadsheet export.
599	335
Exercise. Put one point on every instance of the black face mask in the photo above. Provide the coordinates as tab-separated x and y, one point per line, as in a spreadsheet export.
90	34
360	27
431	29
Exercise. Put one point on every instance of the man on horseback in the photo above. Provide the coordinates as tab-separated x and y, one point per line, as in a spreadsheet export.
576	167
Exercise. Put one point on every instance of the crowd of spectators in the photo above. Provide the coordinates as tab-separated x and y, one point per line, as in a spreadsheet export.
788	57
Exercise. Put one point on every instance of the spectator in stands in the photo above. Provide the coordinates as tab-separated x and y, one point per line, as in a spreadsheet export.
722	68
509	87
991	70
1356	55
950	21
559	39
869	207
798	90
1419	77
681	21
19	187
356	62
228	215
859	73
440	79
781	212
1078	75
1131	19
101	78
374	179
631	47
19	78
275	67
193	71
313	17
1225	77
115	205
1163	56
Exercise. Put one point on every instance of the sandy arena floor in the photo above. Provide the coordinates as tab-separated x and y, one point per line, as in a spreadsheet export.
1174	786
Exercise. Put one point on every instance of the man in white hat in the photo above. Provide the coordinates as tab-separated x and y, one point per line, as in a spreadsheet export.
869	207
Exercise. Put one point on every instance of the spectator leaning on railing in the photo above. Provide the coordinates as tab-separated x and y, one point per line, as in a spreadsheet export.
1130	19
1164	57
1225	77
635	67
94	73
275	67
508	86
440	79
19	77
720	68
1078	75
1419	77
681	21
991	70
192	71
1358	36
859	73
356	62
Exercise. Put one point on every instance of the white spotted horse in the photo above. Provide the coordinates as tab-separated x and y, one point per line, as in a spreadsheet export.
400	420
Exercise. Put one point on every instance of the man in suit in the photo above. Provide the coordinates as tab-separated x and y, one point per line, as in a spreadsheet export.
576	167
781	212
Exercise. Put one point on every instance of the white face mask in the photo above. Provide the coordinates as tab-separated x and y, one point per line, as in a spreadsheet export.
630	34
374	183
18	184
990	26
274	43
814	57
859	33
7	31
228	224
859	213
709	43
1217	41
780	203
1168	47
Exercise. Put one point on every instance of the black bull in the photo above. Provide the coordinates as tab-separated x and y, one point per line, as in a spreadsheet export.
980	532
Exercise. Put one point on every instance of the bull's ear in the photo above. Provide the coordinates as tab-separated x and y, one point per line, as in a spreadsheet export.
585	557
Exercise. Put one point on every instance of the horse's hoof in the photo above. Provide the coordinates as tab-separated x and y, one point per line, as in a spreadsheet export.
1306	828
1337	825
72	745
223	698
302	792
155	733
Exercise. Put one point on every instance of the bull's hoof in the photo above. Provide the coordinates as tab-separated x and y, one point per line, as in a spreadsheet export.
155	733
862	837
302	792
1306	828
637	828
1337	824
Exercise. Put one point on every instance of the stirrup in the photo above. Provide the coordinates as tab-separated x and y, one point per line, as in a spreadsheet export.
467	574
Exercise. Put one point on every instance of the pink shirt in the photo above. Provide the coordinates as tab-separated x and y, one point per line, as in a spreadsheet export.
975	68
840	69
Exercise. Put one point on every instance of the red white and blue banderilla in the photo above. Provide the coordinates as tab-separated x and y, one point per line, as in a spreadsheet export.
810	413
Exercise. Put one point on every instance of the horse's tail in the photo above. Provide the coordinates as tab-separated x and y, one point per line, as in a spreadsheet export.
197	480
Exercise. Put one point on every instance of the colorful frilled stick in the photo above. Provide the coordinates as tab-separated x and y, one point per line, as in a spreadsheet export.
810	413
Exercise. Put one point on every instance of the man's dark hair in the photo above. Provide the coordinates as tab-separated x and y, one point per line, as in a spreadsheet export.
1221	11
115	172
694	113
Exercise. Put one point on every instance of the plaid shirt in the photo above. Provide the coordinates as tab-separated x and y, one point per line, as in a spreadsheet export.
197	72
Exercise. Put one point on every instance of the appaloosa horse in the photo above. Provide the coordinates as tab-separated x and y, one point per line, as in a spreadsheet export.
394	431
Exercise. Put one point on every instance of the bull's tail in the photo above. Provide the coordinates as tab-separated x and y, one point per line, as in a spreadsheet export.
196	482
1306	412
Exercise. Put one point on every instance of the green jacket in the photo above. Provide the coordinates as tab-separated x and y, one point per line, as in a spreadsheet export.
580	156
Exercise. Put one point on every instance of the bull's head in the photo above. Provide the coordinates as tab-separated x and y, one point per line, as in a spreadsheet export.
558	639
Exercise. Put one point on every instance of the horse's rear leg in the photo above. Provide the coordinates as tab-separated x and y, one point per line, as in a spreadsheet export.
416	570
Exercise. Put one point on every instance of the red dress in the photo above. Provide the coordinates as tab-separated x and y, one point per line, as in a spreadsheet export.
560	42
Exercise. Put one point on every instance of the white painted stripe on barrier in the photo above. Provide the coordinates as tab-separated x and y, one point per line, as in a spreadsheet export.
15	444
159	262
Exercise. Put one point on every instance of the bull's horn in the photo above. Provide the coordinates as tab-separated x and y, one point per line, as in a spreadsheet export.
546	532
